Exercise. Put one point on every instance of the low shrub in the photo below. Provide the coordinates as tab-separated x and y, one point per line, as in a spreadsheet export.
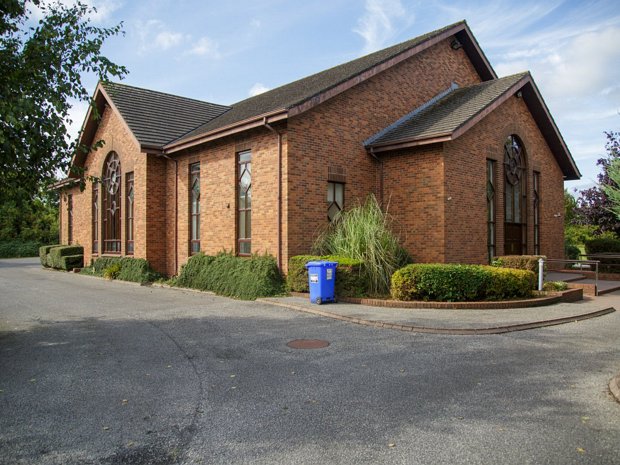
555	286
18	249
231	276
351	279
460	283
69	262
132	269
44	254
597	248
55	255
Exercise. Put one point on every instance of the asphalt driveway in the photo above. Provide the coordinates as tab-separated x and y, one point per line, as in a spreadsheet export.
104	372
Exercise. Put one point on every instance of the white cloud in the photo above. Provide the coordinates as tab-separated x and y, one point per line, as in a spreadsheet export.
153	34
257	89
166	39
205	47
378	24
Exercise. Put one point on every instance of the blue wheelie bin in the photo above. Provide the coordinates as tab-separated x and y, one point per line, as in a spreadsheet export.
322	281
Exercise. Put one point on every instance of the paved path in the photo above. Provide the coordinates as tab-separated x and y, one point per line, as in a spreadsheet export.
501	320
97	372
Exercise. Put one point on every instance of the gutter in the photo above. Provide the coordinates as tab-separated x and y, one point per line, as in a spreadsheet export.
279	206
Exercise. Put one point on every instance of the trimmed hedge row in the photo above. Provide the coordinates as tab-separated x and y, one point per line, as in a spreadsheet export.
460	283
231	276
136	270
603	246
18	249
351	280
62	257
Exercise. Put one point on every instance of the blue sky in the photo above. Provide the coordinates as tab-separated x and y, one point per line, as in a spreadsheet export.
224	51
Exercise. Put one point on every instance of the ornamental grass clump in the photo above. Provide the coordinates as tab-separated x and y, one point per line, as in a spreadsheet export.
365	233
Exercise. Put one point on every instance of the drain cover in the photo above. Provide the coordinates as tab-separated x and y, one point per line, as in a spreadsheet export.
307	344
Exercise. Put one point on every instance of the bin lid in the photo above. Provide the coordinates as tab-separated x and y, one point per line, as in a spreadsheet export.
322	263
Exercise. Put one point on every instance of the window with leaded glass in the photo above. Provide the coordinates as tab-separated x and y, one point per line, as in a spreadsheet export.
491	209
111	213
335	199
194	200
95	213
70	219
129	204
536	181
515	194
244	227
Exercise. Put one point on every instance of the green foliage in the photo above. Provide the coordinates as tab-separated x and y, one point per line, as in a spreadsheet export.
571	251
239	277
29	219
520	262
112	271
612	190
570	208
42	69
460	283
132	269
351	280
365	233
44	251
54	257
555	286
17	248
604	246
70	262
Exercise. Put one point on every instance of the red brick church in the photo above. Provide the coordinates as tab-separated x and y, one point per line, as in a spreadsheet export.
472	165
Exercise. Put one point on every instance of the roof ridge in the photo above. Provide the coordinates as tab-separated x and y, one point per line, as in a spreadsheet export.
106	83
413	42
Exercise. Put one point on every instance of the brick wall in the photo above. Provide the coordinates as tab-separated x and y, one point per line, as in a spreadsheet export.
117	138
218	199
465	161
333	133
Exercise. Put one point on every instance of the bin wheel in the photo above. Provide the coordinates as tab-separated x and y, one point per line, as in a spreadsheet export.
318	301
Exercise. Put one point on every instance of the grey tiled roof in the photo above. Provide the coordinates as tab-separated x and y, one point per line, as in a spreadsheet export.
297	92
446	114
156	118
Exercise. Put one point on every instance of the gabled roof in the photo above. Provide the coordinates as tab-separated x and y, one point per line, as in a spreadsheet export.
156	118
453	112
302	94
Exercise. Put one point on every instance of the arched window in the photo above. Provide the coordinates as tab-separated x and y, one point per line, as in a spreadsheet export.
515	196
111	211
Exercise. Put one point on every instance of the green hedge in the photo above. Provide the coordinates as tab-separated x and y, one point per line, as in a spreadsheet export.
460	283
132	269
18	249
44	254
604	246
227	275
54	257
68	262
351	280
571	251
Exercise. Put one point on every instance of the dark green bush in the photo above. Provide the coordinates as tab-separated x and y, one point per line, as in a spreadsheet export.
44	254
54	257
571	251
18	248
460	283
597	248
68	262
351	280
239	277
132	269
